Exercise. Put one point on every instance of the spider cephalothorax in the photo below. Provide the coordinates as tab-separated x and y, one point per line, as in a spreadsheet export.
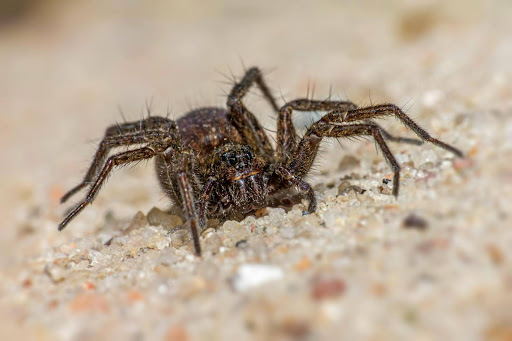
241	180
219	163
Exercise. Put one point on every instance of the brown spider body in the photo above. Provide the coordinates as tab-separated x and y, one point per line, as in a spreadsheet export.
219	163
216	148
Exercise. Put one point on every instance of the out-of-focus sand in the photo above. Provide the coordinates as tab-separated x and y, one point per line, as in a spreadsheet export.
351	270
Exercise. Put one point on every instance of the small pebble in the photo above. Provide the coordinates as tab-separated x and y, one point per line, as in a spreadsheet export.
241	244
56	273
88	302
415	222
342	186
461	164
180	238
158	217
212	243
324	288
138	221
385	190
252	275
344	189
235	231
304	264
495	253
88	285
26	283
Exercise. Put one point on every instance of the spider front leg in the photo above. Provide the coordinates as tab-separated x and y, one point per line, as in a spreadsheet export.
308	146
126	134
397	139
286	135
188	200
113	161
203	200
244	121
379	111
303	186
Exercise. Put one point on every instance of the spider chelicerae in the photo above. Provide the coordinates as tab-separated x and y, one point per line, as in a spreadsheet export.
219	163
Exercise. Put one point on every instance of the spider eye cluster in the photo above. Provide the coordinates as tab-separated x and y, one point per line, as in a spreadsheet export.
238	158
230	158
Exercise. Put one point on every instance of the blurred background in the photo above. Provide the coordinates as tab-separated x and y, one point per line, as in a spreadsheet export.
68	68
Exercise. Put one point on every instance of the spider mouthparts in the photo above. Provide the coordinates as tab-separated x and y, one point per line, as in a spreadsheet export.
245	175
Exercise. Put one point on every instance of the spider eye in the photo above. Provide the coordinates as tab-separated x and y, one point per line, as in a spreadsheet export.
248	152
238	158
230	158
232	161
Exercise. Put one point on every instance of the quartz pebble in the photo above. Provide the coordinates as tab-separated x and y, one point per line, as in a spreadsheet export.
249	276
158	217
138	221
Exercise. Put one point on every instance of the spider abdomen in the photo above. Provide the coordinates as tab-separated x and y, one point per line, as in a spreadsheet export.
202	130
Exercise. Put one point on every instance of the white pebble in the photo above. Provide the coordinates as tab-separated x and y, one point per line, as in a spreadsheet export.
432	97
163	243
253	275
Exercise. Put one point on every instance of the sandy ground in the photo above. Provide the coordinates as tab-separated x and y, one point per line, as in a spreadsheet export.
356	269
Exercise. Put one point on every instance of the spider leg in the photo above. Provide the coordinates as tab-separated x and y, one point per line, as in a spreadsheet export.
253	75
398	139
178	176
299	156
140	132
188	200
378	111
309	145
113	161
303	186
286	136
203	201
243	119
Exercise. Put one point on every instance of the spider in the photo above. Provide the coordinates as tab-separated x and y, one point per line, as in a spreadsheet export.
218	163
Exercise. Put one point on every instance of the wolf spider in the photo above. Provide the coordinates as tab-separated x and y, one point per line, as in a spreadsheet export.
218	163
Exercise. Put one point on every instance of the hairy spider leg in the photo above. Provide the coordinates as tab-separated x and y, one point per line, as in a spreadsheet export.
336	124
305	189
397	139
188	199
178	166
287	138
311	140
243	120
113	161
140	132
382	110
203	201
